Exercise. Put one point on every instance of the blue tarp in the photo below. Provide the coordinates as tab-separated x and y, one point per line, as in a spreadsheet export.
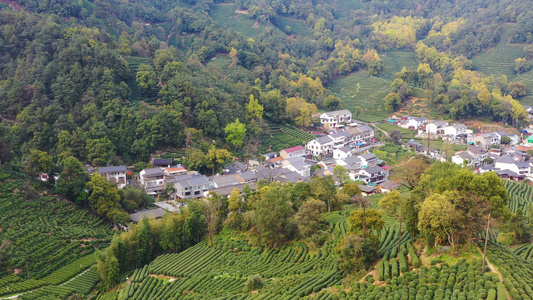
360	144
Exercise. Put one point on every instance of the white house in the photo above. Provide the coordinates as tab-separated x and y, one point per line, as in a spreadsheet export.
153	181
372	174
368	133
436	127
368	160
190	186
333	119
321	146
341	153
473	156
416	123
454	131
506	162
298	165
114	174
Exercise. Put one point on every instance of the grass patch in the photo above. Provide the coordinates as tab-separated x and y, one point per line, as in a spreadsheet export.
363	90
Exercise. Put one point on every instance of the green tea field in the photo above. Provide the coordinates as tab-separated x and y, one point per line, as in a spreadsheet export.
500	61
227	17
363	90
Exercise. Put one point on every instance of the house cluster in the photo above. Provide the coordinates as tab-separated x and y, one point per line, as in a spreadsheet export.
508	162
342	141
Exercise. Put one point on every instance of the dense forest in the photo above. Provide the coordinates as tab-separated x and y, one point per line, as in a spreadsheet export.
107	82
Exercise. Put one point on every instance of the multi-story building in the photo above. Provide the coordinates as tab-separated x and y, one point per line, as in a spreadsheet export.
114	174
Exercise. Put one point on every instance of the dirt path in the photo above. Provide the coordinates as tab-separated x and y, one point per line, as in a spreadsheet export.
386	134
493	269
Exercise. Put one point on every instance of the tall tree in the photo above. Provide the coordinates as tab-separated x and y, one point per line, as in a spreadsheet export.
235	133
72	180
102	195
308	216
274	216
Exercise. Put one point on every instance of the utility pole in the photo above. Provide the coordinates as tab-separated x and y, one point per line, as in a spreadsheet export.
486	242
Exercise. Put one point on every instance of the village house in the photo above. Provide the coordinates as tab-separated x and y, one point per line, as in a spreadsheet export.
415	123
368	133
151	213
369	160
506	162
367	190
454	132
321	146
115	175
472	157
162	162
298	165
387	186
342	152
226	191
436	127
372	174
190	186
484	140
152	180
177	170
297	151
223	181
334	119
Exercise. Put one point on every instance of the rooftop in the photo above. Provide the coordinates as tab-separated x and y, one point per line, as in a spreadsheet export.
112	169
149	213
338	112
293	149
162	161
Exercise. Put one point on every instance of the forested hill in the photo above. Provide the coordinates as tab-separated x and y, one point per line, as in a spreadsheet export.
106	81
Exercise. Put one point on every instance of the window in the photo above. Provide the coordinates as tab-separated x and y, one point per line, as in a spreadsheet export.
197	193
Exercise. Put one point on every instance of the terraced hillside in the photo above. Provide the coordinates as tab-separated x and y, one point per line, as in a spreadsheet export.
363	90
51	240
